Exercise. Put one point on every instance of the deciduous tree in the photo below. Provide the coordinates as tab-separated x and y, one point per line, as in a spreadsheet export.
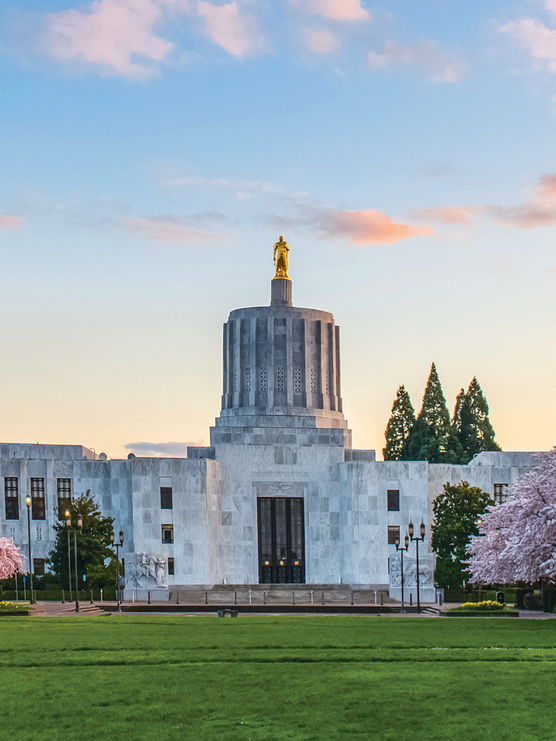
93	543
517	538
11	561
457	511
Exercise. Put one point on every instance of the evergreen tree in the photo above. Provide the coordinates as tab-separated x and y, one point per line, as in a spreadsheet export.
457	512
430	436
456	453
471	428
93	543
400	425
476	433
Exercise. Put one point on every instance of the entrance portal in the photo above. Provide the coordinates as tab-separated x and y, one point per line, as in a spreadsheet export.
281	540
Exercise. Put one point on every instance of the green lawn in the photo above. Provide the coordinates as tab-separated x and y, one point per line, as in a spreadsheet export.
277	678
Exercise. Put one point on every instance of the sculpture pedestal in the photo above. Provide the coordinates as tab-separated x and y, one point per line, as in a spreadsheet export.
281	292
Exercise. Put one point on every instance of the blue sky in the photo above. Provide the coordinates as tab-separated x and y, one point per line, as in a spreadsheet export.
153	150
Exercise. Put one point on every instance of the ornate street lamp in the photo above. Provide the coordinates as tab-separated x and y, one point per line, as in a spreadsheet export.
417	540
28	503
74	530
402	549
117	546
68	517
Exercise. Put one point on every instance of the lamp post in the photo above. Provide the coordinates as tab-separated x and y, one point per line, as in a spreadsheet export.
28	503
68	516
417	540
117	546
402	549
74	530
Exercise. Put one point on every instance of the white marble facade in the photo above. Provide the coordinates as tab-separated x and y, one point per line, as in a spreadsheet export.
281	433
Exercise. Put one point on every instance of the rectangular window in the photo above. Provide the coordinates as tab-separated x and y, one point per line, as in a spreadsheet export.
38	509
500	493
11	497
170	567
393	497
64	496
165	497
38	566
167	533
393	533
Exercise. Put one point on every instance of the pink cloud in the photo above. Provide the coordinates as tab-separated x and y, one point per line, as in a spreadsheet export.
321	42
167	229
115	34
535	37
7	221
336	10
547	185
231	28
448	214
368	227
525	216
550	5
427	55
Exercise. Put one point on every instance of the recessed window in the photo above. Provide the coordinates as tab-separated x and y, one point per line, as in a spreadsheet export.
393	500
165	497
393	534
38	509
38	566
170	567
63	487
500	493
11	497
167	533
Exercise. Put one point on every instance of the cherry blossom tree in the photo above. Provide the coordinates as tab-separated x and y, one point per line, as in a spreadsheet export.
517	541
10	558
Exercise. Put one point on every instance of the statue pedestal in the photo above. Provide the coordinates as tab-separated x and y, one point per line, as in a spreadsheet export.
281	292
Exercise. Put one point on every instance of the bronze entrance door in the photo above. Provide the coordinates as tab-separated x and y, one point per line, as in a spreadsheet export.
281	540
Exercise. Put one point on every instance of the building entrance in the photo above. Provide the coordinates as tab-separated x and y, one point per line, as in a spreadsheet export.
281	540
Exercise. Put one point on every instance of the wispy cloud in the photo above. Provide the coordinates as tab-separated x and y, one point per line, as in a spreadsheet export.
364	228
320	41
536	212
336	10
167	229
232	28
447	214
160	450
367	227
8	221
535	37
427	56
117	35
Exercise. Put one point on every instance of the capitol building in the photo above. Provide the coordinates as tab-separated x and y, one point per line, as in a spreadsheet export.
279	496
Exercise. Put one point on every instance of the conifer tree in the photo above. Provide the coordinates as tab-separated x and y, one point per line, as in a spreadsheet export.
430	437
399	428
475	432
456	453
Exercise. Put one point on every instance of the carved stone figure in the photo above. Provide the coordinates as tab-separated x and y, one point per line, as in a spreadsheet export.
145	571
281	250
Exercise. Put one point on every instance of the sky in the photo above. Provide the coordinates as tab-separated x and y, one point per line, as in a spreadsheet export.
152	151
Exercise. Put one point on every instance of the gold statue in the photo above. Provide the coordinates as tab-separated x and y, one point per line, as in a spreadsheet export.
281	250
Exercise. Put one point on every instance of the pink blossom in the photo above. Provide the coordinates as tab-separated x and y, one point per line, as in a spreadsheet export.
517	540
10	558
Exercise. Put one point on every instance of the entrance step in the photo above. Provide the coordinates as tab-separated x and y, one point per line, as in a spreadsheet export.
279	594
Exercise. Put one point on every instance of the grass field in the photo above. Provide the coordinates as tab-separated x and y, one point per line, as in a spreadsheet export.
277	678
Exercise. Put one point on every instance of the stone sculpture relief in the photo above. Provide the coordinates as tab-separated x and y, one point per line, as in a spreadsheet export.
409	572
145	571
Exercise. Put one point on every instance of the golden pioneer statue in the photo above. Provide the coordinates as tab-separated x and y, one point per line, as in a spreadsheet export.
281	250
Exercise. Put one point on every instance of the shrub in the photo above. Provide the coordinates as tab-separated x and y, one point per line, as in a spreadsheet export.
487	605
12	607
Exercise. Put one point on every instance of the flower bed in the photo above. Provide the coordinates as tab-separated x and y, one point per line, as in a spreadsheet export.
13	608
486	608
